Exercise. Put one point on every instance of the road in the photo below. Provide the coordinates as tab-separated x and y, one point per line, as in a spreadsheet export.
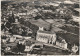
51	45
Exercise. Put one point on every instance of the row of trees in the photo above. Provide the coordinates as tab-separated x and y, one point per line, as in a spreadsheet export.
66	14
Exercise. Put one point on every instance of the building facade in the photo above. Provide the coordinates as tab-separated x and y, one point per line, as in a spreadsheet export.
62	44
28	46
75	48
46	37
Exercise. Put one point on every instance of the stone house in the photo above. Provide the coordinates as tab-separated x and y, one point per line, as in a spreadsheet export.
28	46
61	43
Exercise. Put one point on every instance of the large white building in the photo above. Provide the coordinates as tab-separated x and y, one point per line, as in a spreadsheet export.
46	37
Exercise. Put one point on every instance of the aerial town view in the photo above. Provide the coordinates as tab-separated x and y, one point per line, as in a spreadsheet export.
40	27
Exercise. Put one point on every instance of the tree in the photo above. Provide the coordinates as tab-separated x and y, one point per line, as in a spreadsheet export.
67	14
24	33
8	24
2	26
67	17
20	47
37	17
11	18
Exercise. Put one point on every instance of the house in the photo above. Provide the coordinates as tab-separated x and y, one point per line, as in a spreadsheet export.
45	3
46	36
16	20
68	2
74	48
54	4
37	2
32	11
12	39
27	37
7	48
76	19
61	43
4	39
28	46
11	45
18	36
38	46
29	32
59	2
22	14
45	11
77	9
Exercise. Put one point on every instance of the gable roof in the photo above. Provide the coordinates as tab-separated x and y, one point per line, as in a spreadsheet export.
46	32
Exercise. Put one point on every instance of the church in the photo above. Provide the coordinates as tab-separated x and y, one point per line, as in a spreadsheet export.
45	36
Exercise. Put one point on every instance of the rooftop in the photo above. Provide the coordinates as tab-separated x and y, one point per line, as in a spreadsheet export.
68	2
47	32
61	40
76	19
11	44
77	9
29	43
54	4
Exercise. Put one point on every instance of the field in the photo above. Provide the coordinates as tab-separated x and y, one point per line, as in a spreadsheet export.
40	23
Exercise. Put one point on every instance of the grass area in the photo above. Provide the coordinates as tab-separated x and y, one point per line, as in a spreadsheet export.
71	29
70	38
40	23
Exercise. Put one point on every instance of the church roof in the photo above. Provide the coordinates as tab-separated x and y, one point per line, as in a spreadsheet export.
47	32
